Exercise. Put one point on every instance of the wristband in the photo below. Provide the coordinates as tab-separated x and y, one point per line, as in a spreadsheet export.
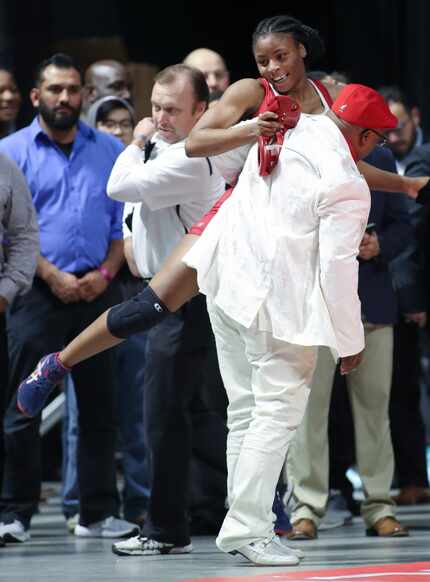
105	273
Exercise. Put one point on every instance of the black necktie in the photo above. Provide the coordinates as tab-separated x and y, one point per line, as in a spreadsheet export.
149	146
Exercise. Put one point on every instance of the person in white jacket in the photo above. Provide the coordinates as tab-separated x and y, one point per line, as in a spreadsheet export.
289	242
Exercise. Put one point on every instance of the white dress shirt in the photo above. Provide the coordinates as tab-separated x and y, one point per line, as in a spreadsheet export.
282	249
171	193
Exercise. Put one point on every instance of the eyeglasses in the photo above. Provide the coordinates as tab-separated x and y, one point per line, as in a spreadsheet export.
123	125
382	138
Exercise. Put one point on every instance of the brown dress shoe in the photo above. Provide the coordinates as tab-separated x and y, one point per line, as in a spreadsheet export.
412	495
387	527
303	529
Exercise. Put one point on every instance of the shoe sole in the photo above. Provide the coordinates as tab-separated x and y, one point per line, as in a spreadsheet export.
185	550
297	553
22	410
292	551
301	537
12	539
372	533
109	536
294	561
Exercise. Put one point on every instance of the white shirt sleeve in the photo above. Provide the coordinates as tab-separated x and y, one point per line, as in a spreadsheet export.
343	213
167	180
230	163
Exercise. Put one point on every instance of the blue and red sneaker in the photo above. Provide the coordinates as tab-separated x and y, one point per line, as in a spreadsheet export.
34	390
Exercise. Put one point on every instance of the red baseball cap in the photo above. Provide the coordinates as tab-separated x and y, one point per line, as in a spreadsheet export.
364	107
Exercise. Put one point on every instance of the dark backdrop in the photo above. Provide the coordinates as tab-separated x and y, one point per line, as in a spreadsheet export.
374	42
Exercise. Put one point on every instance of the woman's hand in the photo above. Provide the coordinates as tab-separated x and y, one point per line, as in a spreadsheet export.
414	185
267	124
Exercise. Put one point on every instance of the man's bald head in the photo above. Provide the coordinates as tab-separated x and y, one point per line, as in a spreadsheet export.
103	78
212	66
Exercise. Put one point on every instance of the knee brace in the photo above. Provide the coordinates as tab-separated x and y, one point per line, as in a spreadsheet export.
140	313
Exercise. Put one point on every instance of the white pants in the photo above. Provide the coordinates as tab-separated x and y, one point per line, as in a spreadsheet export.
267	383
369	391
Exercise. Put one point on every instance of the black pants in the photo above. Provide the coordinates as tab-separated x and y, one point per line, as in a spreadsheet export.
174	378
341	442
39	323
407	425
208	477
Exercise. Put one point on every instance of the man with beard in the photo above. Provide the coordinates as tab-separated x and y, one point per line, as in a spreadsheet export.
67	165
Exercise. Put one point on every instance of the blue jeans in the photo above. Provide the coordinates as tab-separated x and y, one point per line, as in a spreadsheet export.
130	358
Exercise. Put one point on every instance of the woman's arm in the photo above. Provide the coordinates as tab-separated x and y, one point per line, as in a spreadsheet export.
213	133
380	179
389	182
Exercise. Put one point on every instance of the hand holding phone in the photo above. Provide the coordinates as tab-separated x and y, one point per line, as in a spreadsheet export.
370	228
369	247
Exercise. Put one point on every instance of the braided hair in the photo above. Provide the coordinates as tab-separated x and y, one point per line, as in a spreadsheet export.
284	24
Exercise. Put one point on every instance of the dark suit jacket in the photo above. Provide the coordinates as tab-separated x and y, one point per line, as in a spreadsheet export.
390	214
416	275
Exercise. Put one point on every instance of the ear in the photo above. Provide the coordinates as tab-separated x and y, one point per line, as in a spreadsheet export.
364	137
200	108
302	50
89	94
34	96
416	116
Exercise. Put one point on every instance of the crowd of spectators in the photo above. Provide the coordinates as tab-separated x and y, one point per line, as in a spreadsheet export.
69	251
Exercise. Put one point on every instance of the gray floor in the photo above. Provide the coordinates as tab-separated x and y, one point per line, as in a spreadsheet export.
52	554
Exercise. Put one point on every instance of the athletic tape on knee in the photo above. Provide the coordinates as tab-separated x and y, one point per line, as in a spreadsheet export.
140	313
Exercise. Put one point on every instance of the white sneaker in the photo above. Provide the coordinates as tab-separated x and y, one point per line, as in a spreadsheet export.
289	550
14	532
72	522
267	553
141	546
111	527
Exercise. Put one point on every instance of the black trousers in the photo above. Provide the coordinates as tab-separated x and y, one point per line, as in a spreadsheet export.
177	350
39	323
341	441
407	425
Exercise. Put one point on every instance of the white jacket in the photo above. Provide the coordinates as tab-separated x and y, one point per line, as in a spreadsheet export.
282	250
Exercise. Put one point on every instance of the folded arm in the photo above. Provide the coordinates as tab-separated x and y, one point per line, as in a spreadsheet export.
21	244
169	179
343	216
